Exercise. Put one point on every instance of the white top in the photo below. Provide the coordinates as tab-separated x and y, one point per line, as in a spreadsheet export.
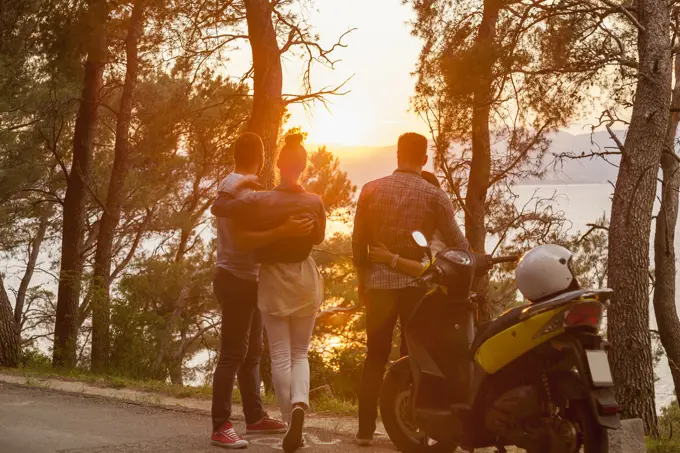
290	289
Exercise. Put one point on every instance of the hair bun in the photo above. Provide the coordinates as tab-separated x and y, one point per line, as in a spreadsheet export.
294	140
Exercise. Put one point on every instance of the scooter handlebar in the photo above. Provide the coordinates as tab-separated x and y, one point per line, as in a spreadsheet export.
431	277
504	259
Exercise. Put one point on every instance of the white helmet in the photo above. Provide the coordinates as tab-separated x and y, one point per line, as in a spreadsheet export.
545	271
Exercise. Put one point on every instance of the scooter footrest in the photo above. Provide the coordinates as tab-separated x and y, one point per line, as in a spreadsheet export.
460	411
460	407
432	413
436	423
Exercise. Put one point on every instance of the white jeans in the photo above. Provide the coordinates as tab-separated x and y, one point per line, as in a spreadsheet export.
289	339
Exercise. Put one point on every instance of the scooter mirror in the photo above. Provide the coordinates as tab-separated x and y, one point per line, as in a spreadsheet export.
420	238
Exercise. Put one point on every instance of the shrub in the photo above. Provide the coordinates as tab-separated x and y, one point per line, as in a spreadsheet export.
662	446
34	359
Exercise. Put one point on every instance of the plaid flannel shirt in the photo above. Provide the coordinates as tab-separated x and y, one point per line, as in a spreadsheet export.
388	211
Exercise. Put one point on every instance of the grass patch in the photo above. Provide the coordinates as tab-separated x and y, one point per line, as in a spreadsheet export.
114	382
335	406
662	446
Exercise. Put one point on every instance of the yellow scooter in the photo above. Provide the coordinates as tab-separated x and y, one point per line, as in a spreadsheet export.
537	377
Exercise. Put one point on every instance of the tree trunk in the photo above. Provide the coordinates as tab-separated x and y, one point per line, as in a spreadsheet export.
480	167
664	244
268	106
171	352
175	372
631	217
34	252
65	329
184	236
9	338
114	199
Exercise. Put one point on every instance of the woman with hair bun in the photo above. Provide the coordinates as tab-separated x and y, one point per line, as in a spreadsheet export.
290	287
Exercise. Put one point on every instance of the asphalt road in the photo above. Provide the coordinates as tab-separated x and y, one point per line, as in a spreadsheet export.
42	421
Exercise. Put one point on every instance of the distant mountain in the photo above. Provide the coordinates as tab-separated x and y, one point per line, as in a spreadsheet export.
588	170
364	164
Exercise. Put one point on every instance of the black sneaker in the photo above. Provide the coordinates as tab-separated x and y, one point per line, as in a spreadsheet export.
363	441
293	438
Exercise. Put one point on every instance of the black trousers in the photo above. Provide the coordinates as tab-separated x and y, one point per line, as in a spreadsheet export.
240	349
383	307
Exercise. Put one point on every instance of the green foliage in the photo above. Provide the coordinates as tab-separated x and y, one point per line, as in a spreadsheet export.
324	177
338	367
40	366
34	359
669	422
662	446
493	81
529	95
147	305
669	431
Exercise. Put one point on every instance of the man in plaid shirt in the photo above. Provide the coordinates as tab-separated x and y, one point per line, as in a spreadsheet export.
388	211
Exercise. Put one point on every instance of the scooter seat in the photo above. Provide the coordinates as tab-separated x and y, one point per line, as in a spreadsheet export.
496	326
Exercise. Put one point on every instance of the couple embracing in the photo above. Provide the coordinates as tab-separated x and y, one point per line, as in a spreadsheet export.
265	277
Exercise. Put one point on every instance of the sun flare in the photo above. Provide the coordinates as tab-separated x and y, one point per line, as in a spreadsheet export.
341	127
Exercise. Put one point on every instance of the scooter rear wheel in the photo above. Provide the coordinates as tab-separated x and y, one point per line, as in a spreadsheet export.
398	419
594	438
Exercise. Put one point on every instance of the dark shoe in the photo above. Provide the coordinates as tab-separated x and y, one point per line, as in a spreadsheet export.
363	440
293	438
266	426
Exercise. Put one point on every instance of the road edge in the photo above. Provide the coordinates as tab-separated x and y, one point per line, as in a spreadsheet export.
343	425
76	393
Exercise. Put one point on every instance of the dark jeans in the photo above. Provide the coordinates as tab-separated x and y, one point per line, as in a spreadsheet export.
383	307
240	349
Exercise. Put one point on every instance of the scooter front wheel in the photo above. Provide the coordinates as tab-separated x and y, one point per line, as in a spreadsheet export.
397	416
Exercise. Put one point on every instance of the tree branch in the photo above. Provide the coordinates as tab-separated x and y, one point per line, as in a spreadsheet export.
317	96
593	227
626	12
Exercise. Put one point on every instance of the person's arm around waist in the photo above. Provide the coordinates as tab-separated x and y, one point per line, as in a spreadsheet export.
247	240
379	253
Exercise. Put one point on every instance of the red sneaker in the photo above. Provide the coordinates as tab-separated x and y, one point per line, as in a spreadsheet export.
226	437
266	426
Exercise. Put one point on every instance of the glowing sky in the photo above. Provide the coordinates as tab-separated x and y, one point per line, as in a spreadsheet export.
381	54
